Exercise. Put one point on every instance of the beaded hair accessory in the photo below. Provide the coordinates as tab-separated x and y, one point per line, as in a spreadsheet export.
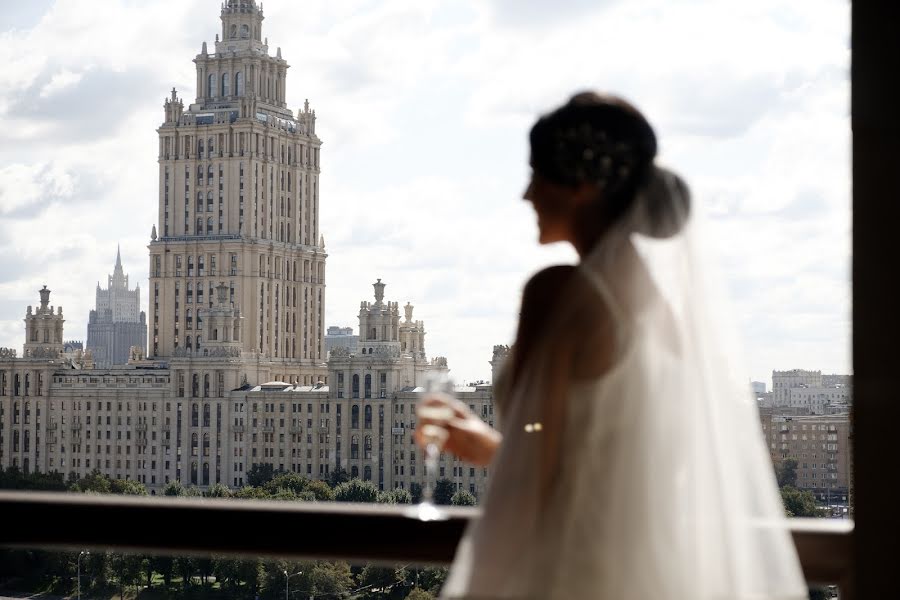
587	155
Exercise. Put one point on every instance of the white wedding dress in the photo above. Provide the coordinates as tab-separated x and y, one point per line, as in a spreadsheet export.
664	488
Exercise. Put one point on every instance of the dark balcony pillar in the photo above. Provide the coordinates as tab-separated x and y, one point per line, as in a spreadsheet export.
876	318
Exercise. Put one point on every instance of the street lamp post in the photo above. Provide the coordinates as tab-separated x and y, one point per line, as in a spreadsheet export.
80	554
286	579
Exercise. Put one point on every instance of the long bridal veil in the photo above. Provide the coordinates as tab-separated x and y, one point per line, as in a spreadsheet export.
699	458
665	488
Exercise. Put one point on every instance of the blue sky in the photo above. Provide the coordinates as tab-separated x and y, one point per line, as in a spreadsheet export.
424	107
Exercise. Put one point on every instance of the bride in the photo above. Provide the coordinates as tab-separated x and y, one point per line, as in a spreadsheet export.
629	463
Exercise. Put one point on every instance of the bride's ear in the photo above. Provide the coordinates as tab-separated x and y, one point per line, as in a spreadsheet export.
586	193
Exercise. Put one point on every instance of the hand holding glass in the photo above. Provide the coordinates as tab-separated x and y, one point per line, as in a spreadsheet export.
431	412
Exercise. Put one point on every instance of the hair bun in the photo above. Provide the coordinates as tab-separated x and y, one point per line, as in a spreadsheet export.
663	204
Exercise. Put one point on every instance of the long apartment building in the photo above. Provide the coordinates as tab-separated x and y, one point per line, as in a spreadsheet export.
820	444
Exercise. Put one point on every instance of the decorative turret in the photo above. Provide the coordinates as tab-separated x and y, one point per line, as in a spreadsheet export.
174	108
44	329
501	353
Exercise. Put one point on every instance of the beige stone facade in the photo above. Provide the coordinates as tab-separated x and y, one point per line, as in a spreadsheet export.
197	418
239	206
820	444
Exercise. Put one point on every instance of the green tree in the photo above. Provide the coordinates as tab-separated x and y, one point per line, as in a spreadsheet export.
443	491
260	474
463	498
420	594
185	567
338	476
415	490
218	490
786	473
798	503
287	481
330	581
284	494
248	492
356	490
173	488
432	578
382	582
320	490
165	566
127	487
395	496
94	482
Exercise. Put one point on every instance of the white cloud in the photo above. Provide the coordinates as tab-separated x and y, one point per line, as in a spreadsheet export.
424	108
60	81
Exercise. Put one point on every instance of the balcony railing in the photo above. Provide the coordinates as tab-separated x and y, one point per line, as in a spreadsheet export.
382	534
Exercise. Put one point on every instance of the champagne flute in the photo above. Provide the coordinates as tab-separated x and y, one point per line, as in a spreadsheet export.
435	437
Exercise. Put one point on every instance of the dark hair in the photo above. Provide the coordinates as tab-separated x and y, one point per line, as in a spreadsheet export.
607	142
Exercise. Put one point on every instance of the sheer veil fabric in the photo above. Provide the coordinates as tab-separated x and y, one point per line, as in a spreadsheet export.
663	486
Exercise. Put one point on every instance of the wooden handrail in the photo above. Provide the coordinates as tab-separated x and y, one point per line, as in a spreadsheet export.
298	530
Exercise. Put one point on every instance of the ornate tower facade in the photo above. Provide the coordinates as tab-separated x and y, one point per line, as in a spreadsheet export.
43	329
239	207
117	323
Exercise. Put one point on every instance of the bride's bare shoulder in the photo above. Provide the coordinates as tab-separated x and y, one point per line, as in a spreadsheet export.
581	329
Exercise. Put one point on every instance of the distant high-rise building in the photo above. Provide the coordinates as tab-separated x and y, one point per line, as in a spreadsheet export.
758	387
784	381
117	323
340	337
239	206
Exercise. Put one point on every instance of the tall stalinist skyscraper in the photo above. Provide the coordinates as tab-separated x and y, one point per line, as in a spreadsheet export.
117	322
239	206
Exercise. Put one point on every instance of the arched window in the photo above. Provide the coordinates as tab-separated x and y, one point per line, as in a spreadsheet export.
209	225
356	386
226	85
200	199
190	320
368	422
15	440
206	395
245	31
195	414
194	444
354	417
205	444
210	148
354	447
200	146
234	31
200	174
194	473
195	388
199	230
368	386
189	345
368	448
354	472
367	473
210	91
239	83
205	473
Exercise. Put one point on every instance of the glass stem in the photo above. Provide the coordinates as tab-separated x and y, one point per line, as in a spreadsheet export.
431	459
